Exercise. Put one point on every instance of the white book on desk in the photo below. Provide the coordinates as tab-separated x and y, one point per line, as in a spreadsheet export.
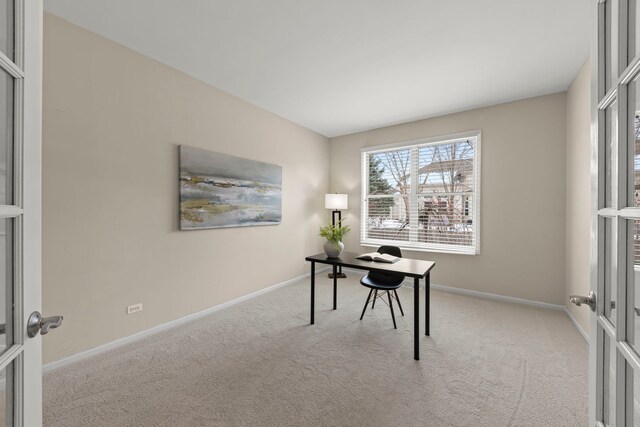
378	257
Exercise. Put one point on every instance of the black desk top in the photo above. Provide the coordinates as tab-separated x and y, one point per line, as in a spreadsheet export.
407	266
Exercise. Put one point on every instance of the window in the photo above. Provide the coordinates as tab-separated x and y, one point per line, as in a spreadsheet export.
423	195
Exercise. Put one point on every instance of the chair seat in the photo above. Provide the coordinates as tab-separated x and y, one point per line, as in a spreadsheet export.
391	282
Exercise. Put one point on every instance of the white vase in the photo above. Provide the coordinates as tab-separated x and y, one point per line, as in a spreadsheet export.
333	250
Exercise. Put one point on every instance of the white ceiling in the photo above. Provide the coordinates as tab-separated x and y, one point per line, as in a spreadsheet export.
342	66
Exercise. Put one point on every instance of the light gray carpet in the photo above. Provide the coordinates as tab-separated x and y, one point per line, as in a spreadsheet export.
259	363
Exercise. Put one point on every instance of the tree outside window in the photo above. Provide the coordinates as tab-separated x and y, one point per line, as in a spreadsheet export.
442	202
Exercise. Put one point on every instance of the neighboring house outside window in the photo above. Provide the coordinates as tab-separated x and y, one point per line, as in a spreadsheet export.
423	195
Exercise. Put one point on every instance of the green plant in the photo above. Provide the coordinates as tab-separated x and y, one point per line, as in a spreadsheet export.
334	233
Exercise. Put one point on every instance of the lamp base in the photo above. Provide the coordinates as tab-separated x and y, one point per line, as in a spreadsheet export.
338	276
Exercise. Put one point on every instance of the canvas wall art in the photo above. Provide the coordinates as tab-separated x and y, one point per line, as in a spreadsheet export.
218	190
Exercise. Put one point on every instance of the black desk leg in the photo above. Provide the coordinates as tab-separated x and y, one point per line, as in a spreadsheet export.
313	290
416	318
335	287
427	303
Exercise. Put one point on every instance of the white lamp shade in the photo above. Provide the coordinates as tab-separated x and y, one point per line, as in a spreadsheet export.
336	202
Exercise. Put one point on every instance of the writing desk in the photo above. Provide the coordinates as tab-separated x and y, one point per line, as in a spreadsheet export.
409	267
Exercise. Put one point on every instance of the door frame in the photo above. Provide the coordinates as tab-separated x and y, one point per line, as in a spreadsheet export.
29	398
596	80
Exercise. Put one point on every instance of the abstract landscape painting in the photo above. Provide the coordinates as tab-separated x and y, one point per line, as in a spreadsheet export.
218	190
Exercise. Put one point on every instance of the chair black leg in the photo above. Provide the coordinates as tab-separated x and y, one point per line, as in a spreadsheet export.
375	297
366	304
391	307
398	299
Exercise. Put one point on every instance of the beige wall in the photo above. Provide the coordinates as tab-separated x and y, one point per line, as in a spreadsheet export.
113	120
522	200
578	204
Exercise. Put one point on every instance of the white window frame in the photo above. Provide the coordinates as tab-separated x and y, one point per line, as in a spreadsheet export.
413	245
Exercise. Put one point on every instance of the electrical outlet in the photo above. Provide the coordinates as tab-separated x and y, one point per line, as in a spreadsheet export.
134	308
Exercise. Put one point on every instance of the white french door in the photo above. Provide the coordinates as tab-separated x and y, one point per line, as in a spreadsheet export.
20	206
615	339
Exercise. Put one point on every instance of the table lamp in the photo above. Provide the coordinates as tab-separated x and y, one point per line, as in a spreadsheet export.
336	202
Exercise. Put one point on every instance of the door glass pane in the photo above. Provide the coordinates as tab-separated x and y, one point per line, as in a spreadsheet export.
634	287
6	395
6	138
611	43
609	383
6	28
6	283
610	146
610	269
634	114
634	399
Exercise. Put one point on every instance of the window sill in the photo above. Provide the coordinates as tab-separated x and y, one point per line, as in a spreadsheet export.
442	249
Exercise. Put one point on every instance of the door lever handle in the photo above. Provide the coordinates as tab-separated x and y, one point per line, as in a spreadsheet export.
37	324
49	323
589	300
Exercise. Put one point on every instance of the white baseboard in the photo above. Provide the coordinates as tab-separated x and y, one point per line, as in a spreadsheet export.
172	324
515	300
191	317
478	294
576	324
409	283
498	297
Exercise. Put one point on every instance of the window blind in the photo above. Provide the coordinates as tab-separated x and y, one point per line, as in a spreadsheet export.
422	195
